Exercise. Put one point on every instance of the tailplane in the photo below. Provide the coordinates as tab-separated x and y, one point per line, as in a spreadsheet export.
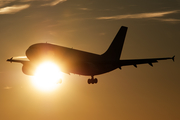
115	49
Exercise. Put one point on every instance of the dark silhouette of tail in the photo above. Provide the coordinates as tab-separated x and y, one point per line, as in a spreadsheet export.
115	49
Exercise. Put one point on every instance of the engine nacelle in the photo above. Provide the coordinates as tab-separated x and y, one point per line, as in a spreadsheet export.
28	69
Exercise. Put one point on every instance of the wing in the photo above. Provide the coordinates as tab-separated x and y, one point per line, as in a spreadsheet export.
17	60
135	62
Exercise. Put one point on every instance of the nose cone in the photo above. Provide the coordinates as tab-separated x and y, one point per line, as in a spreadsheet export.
39	52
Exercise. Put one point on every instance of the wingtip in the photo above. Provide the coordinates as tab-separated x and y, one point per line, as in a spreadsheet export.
173	57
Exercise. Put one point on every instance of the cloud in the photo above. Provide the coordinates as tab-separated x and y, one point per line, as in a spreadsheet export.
139	16
13	9
84	9
26	0
55	2
7	88
170	20
5	2
102	34
44	2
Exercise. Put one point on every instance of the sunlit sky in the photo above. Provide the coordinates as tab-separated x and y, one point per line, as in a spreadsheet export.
142	93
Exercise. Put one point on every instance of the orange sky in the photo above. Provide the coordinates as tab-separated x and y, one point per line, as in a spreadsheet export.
142	93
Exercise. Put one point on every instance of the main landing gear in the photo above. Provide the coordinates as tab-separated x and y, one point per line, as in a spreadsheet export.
92	80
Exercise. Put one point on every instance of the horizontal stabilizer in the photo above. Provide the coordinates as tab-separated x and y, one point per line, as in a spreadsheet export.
17	60
10	60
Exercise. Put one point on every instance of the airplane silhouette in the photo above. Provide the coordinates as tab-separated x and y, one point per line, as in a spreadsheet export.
81	62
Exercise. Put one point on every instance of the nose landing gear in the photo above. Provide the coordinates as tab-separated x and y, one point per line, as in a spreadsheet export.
92	80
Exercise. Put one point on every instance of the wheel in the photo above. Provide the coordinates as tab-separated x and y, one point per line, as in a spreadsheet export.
95	80
92	81
89	81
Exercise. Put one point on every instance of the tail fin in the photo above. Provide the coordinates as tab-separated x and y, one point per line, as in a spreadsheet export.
114	50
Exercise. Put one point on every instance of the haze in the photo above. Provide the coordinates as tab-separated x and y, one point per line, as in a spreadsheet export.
142	93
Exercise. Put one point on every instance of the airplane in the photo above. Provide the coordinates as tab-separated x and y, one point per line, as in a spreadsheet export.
81	62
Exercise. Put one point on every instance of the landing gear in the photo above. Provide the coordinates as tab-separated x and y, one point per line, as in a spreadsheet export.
92	80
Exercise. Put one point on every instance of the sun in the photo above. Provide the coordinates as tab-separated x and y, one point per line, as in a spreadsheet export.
47	76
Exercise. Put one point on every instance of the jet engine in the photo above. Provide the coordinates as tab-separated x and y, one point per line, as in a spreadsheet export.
28	69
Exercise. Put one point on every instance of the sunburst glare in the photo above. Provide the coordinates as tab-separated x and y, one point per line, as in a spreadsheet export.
47	76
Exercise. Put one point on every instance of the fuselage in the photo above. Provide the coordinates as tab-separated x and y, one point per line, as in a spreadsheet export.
70	60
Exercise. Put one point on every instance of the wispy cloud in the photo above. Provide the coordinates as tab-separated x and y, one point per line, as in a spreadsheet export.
44	2
5	2
170	20
84	9
102	33
140	15
55	2
27	0
7	88
13	9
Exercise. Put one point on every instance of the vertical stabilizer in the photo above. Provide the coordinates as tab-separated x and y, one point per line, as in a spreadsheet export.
115	49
